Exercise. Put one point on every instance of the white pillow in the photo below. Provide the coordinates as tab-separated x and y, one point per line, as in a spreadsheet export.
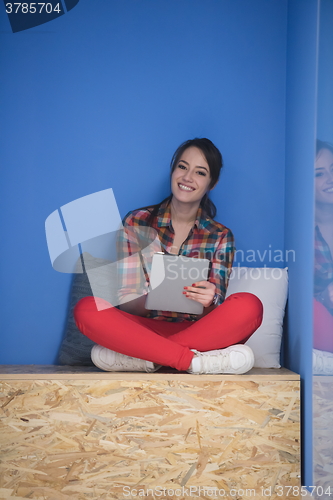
270	285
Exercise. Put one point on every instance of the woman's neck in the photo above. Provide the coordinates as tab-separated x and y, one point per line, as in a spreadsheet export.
183	213
324	214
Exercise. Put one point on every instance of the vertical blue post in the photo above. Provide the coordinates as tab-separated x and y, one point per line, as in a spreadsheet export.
301	97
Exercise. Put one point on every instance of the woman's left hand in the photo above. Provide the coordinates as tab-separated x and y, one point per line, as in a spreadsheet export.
204	295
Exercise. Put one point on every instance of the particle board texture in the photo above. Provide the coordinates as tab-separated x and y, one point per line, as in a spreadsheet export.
70	433
323	435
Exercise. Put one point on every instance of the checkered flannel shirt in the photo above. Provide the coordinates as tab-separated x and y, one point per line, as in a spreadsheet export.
138	241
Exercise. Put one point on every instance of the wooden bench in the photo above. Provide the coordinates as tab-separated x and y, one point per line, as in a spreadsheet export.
80	433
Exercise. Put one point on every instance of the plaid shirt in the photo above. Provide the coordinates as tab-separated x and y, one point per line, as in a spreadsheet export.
323	273
138	241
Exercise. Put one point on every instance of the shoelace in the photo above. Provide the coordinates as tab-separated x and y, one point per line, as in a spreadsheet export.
212	362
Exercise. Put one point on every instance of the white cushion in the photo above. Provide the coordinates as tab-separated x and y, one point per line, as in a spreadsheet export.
270	285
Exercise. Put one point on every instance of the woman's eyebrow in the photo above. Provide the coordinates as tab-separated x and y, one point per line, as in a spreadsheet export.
323	168
198	166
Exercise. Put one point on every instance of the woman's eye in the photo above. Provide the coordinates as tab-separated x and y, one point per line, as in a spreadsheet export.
200	172
181	166
319	174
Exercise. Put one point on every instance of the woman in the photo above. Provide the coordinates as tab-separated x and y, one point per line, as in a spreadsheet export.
323	279
135	339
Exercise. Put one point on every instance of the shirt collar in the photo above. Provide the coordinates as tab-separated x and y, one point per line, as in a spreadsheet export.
164	217
318	233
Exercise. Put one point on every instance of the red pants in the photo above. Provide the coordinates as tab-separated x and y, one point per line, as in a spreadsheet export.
167	343
323	327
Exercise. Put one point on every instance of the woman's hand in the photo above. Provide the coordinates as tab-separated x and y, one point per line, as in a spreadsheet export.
201	291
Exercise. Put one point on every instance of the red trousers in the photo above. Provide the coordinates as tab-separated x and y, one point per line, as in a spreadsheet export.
167	343
323	327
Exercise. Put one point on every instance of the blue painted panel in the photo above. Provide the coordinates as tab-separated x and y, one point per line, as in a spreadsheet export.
325	72
299	209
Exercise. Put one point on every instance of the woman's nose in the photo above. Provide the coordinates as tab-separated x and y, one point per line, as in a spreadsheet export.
188	175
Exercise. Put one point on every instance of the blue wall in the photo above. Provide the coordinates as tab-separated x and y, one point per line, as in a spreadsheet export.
101	97
325	72
299	209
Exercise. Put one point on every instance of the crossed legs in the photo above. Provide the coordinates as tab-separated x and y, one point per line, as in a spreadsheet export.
169	343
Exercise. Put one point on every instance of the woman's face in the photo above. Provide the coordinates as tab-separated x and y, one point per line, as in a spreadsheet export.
324	176
191	178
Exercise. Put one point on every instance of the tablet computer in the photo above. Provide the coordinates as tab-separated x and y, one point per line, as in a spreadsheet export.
168	276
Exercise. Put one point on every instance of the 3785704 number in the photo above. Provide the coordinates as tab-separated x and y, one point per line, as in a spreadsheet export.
296	491
32	8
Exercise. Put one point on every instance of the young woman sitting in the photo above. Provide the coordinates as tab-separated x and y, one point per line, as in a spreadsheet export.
133	338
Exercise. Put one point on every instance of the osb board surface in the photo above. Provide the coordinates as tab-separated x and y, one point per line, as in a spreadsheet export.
70	439
46	372
322	433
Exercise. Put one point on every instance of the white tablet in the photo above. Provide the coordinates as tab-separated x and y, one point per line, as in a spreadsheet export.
169	274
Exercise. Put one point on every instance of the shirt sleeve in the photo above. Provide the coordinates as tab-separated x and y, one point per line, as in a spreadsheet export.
132	278
221	264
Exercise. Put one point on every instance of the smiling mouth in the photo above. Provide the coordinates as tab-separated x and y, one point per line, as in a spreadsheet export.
185	188
328	190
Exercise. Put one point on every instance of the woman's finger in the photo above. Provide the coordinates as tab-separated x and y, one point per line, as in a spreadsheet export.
203	298
204	285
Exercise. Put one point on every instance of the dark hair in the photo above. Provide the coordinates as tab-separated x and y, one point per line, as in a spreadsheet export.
323	145
215	163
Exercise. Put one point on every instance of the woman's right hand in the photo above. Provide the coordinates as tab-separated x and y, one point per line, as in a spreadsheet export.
202	292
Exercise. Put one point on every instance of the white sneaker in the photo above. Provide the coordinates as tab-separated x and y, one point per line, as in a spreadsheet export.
236	359
322	362
112	361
